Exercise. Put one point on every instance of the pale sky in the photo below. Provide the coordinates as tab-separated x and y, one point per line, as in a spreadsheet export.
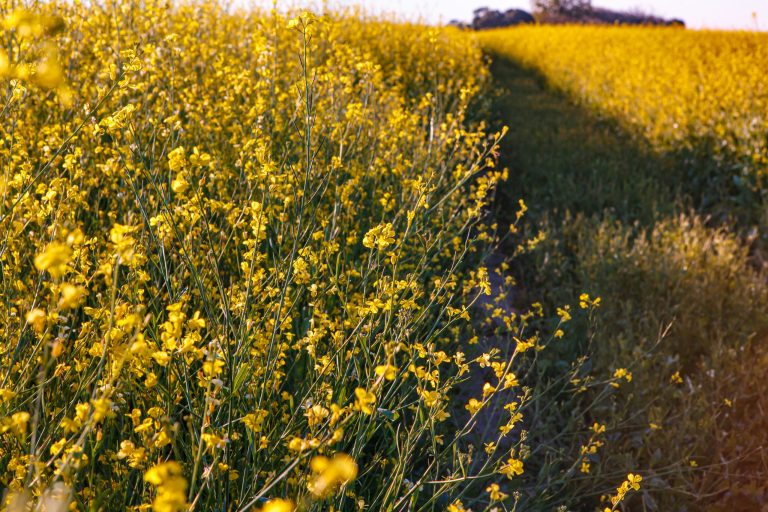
723	14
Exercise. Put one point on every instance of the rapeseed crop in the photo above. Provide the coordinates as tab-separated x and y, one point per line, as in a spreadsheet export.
239	255
244	267
697	94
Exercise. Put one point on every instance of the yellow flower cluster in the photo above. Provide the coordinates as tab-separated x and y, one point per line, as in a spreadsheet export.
327	474
632	483
35	59
171	487
247	244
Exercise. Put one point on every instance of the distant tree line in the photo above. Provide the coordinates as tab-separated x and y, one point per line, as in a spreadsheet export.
561	12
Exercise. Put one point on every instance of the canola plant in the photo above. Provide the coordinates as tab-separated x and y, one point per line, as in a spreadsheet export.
239	251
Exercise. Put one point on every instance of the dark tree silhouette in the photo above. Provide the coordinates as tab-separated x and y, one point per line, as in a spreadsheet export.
561	6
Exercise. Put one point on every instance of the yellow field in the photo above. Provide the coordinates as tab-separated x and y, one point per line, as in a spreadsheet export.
236	258
675	88
256	261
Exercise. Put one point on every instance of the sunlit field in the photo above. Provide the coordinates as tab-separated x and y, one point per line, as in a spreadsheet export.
239	252
697	93
322	261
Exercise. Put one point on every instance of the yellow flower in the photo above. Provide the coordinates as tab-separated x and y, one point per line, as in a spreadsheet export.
54	259
212	368
495	492
36	318
162	358
162	439
212	441
585	301
28	24
255	421
102	409
171	493
523	346
151	380
622	373
510	380
316	415
388	371
381	237
304	19
328	474
179	184
48	73
364	400
17	424
513	467
473	405
298	444
124	244
278	505
431	398
177	159
6	70
71	296
196	322
135	456
6	394
521	211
